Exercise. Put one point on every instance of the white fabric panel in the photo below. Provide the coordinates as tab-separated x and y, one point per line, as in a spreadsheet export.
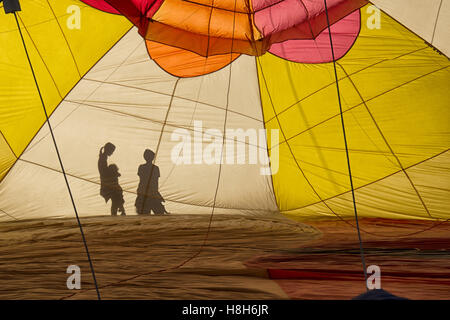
429	19
126	99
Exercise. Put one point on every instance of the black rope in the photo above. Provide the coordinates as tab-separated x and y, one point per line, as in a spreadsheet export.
59	158
346	147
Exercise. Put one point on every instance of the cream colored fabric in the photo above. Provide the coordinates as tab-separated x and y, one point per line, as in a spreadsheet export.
125	100
430	19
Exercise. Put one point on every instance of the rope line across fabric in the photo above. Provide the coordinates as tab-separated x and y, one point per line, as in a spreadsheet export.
59	158
346	147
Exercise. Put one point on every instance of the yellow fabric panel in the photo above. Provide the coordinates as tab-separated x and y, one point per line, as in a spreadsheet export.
60	56
7	157
289	168
432	179
394	96
393	197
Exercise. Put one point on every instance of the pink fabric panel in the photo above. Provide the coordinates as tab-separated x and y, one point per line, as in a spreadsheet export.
344	34
313	6
279	17
274	16
261	4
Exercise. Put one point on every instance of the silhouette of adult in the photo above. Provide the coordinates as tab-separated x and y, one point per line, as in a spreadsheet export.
109	180
148	197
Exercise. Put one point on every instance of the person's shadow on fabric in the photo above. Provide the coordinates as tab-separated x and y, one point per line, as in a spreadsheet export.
148	197
109	180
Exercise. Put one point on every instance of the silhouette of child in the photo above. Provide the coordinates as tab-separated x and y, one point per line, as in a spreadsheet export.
116	192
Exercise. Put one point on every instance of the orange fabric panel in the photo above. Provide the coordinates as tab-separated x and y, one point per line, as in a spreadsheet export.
183	63
202	44
242	6
205	20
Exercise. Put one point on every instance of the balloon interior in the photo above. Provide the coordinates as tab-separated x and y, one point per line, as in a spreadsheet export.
224	149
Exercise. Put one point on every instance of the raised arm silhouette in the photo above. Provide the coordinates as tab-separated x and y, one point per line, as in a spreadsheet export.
109	180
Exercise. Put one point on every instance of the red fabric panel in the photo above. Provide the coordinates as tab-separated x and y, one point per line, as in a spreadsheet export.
137	11
101	5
